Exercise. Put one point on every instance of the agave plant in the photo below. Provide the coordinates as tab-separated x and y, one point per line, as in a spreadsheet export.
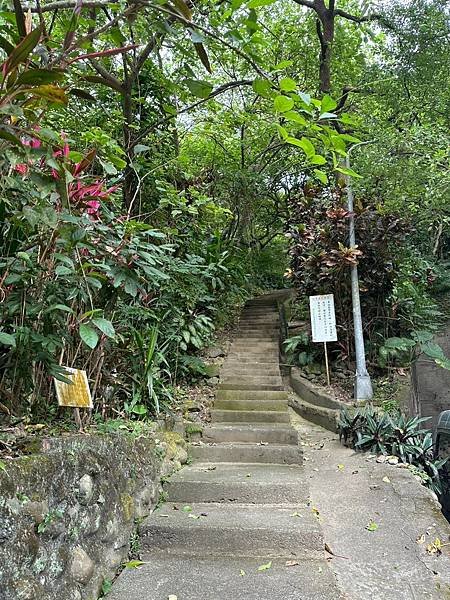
406	436
376	435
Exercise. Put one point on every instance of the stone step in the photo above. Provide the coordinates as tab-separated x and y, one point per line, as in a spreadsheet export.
251	395
247	530
249	386
255	356
258	332
258	360
251	416
239	452
248	371
249	346
217	578
246	405
239	370
275	433
248	379
243	483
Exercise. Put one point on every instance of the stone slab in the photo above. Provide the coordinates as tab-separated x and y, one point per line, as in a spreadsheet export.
221	579
238	484
245	530
275	433
251	416
239	452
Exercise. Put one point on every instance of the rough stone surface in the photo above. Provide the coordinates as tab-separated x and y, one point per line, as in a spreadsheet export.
430	393
67	513
349	490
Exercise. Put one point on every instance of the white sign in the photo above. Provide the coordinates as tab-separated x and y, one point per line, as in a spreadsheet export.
323	320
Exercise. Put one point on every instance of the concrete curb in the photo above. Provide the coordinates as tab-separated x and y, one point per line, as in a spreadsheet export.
313	402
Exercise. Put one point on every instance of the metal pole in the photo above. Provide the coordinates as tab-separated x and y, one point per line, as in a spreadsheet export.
363	385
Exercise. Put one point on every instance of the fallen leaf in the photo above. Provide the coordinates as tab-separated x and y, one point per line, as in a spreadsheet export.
421	539
187	509
165	516
2	466
435	547
192	516
296	514
265	567
341	467
386	480
371	526
316	511
292	563
319	570
133	564
248	475
172	597
242	573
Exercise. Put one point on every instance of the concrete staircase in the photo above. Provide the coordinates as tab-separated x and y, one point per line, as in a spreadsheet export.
237	523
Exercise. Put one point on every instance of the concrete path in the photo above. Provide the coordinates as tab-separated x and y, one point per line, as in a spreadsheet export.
260	516
237	523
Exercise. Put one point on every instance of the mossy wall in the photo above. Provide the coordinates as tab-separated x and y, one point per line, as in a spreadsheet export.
68	511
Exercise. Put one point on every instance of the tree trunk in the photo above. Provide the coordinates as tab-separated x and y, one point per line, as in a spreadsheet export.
325	31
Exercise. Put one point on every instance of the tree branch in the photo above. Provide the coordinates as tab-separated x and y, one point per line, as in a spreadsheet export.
362	19
220	90
308	3
64	4
106	75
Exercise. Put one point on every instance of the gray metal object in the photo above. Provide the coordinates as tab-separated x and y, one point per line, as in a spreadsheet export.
443	451
363	385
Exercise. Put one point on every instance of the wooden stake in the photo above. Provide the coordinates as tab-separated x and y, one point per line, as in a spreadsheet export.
326	364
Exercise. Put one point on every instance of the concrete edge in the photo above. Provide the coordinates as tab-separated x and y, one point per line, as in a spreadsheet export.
313	402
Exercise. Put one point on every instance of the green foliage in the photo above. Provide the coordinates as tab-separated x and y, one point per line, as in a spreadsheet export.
390	434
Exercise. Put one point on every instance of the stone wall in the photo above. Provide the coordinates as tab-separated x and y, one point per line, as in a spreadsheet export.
430	393
69	511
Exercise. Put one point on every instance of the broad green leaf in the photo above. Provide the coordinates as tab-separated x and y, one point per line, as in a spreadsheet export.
432	350
327	115
321	176
284	64
305	97
306	145
2	466
39	76
52	93
265	567
22	51
5	134
105	326
283	132
349	172
257	3
183	9
198	87
295	117
318	159
262	87
327	104
288	85
7	339
89	335
283	103
203	56
139	148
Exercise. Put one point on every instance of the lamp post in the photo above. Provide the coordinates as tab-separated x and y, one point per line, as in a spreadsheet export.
363	385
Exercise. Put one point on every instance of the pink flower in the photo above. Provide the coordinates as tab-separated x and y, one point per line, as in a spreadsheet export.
93	207
22	168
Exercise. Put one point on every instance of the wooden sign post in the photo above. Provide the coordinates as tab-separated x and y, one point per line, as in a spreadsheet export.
75	394
323	323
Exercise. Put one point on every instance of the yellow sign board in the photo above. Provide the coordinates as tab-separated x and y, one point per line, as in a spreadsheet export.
76	394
